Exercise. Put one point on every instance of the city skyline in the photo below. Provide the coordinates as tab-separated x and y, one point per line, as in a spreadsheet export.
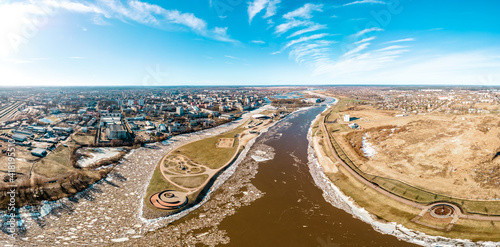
259	42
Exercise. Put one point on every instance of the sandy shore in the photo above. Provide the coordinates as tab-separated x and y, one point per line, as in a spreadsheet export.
337	198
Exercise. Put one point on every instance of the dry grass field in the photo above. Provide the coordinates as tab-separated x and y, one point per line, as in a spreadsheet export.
450	154
431	138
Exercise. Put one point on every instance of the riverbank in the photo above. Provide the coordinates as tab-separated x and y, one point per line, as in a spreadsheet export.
110	211
342	190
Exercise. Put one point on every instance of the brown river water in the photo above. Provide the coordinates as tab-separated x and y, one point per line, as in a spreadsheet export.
292	210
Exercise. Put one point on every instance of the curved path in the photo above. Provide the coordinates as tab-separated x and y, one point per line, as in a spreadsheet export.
210	172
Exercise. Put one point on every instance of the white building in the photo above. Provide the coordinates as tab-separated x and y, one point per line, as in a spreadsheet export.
116	131
347	118
179	110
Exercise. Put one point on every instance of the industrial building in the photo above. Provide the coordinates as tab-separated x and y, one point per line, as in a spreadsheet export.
116	131
40	152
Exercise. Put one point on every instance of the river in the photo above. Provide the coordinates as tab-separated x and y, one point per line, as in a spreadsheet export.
293	211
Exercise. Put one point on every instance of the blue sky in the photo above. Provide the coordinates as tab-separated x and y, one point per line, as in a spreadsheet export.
253	42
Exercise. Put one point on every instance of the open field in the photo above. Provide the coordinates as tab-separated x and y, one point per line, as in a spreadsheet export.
387	208
191	181
452	155
204	151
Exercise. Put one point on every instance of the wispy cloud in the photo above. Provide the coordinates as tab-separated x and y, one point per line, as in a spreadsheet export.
400	40
136	11
258	41
304	12
356	50
436	29
368	30
284	27
364	2
311	53
365	40
303	39
255	7
393	47
360	60
272	6
313	28
228	56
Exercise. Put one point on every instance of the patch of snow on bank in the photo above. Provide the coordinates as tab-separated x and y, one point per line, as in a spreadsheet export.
368	149
97	154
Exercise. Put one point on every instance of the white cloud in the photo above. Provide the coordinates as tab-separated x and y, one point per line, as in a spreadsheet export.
313	28
400	40
304	12
271	8
356	50
255	7
364	1
311	53
186	19
357	61
258	42
102	10
284	27
365	40
303	39
392	47
228	56
368	30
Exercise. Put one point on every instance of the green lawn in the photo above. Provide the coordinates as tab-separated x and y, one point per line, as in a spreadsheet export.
206	152
190	182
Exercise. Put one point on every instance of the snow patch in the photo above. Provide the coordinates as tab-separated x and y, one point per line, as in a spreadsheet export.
368	149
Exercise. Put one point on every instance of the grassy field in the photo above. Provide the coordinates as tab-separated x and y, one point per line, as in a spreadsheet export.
191	181
56	163
206	153
83	139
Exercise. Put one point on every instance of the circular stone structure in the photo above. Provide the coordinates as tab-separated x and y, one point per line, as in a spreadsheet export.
442	211
168	199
